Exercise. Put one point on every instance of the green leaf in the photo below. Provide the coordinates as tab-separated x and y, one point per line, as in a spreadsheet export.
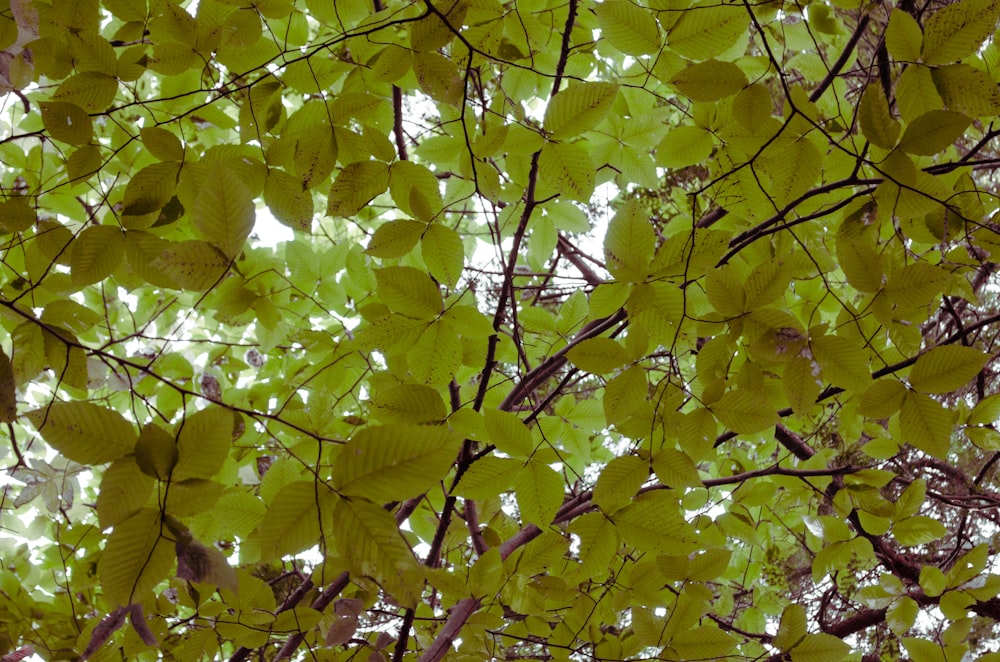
922	650
629	28
743	412
161	143
620	481
414	189
489	477
125	489
684	146
956	31
437	354
926	424
203	443
820	647
877	123
84	432
367	537
189	265
580	107
146	195
933	132
707	29
443	253
509	433
653	523
96	252
566	169
291	522
882	399
238	512
903	37
356	185
918	530
801	383
136	557
947	368
967	90
932	580
710	80
155	452
986	411
16	214
395	239
91	90
675	469
539	491
394	462
902	615
598	355
844	363
224	212
792	629
408	403
629	243
290	203
703	642
409	291
66	122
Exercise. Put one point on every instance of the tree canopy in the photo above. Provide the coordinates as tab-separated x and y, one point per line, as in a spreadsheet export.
619	330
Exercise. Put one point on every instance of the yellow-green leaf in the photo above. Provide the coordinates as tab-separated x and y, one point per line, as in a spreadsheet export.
629	243
628	27
224	212
367	536
156	451
956	31
710	80
675	469
161	143
394	239
926	424
203	443
66	122
743	412
619	481
508	433
707	29
443	253
566	168
408	403
877	124
933	132
844	363
820	647
409	291
356	185
125	489
96	252
539	491
684	146
84	432
136	557
394	462
792	628
291	522
598	355
903	37
579	108
947	368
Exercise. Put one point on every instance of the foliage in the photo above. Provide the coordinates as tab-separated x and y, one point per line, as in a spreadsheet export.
634	329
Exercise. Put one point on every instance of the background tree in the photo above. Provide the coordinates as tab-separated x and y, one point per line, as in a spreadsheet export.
440	421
